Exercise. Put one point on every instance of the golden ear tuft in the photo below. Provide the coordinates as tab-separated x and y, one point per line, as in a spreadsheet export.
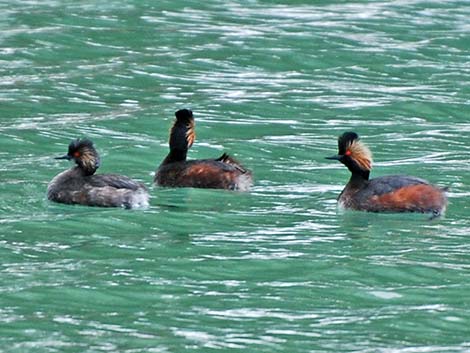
361	154
191	133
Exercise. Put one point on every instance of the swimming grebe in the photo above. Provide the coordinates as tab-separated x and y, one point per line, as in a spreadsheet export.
175	171
79	184
394	193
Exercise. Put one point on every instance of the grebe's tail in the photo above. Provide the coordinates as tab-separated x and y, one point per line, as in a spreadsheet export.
225	158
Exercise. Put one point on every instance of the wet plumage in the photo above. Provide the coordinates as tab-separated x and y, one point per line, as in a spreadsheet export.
80	184
176	171
394	193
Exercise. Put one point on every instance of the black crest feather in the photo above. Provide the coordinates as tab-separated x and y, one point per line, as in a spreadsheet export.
346	140
78	144
184	115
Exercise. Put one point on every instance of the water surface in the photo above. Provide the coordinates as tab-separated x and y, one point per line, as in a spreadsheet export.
273	83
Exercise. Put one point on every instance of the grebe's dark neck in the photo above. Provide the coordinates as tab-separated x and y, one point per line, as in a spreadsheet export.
175	155
80	171
357	172
182	136
359	178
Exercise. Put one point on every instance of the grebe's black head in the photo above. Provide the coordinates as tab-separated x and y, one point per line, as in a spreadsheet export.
354	154
184	115
182	134
84	154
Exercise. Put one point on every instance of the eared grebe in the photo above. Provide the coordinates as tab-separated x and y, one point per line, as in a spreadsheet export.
394	193
175	171
79	185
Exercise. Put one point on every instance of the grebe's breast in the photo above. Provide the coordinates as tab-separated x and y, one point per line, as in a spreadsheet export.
64	183
105	190
205	173
395	193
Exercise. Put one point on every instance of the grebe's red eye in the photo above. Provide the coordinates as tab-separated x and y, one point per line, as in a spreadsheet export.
76	154
347	153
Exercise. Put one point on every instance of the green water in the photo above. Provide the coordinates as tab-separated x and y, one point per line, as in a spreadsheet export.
273	83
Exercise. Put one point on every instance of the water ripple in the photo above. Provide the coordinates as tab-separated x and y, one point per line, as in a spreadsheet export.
276	269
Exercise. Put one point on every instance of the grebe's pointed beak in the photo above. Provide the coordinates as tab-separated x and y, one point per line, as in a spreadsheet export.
335	157
64	157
